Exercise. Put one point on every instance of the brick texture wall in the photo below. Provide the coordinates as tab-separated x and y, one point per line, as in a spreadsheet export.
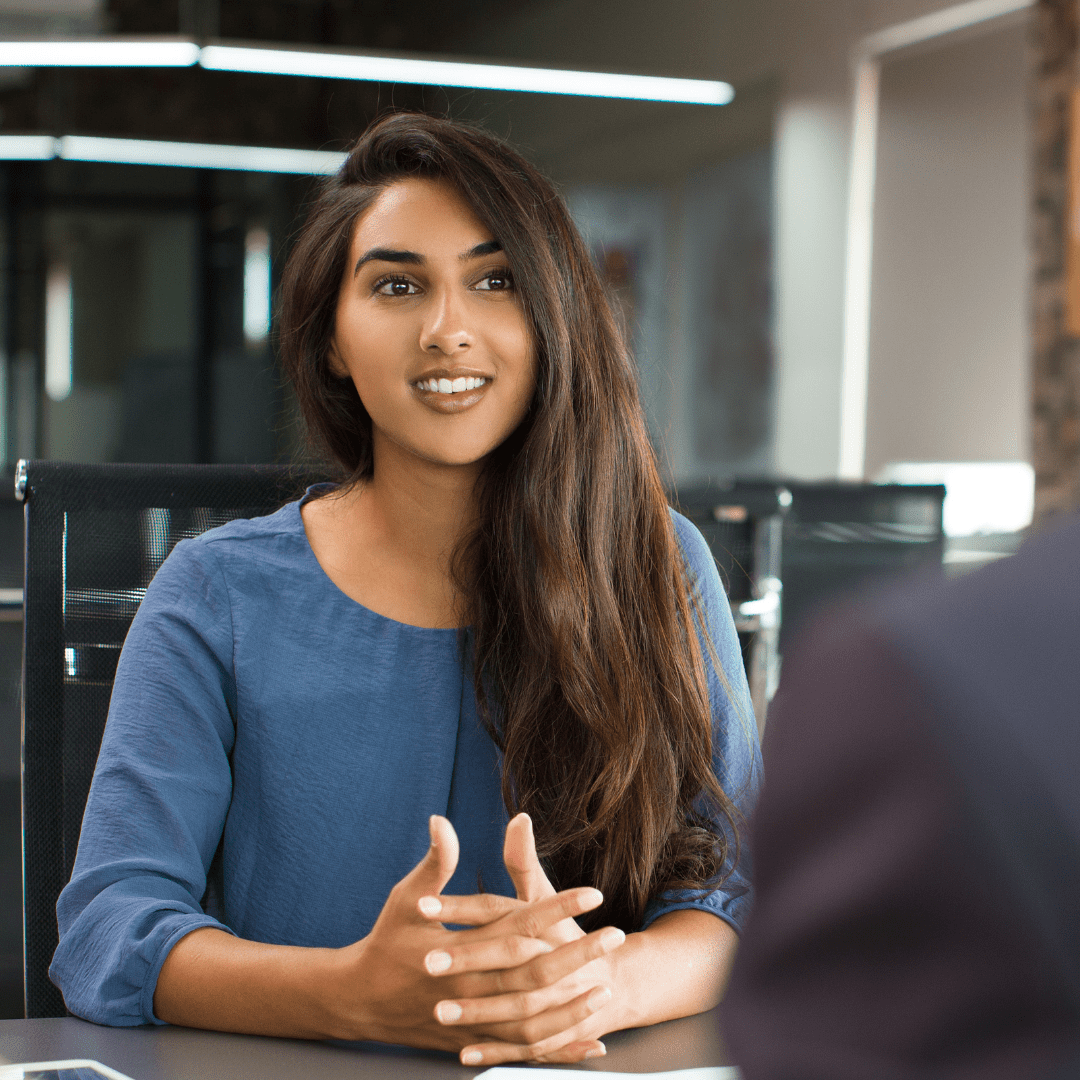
1055	357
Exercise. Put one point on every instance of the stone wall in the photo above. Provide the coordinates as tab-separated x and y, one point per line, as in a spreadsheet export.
1055	356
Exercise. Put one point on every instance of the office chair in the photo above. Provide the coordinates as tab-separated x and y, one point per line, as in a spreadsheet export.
843	538
94	537
742	523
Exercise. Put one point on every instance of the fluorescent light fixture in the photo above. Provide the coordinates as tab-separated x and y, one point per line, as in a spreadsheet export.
337	65
27	147
327	64
58	331
256	286
198	155
980	496
101	52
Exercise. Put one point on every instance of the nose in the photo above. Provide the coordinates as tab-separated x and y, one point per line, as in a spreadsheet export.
445	327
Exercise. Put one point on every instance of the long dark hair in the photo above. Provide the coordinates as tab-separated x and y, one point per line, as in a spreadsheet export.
587	664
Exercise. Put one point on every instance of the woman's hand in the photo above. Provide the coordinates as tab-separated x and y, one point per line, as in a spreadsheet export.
388	985
531	1015
530	881
677	967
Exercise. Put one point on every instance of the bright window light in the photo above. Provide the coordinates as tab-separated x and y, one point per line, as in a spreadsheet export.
980	496
256	286
335	65
98	53
58	331
198	155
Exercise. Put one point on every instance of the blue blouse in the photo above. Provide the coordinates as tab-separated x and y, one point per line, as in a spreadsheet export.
272	756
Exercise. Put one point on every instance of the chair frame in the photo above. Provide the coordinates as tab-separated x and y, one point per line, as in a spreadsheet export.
48	491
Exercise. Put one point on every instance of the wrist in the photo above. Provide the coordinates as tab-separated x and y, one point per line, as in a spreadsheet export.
338	993
628	1008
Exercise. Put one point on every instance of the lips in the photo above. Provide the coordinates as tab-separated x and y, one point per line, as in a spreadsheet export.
451	390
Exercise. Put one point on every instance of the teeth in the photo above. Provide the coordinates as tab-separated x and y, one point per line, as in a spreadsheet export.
448	386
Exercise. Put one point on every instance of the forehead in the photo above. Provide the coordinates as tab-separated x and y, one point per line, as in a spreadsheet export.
419	215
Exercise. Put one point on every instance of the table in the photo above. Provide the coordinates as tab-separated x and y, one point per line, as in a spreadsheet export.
174	1053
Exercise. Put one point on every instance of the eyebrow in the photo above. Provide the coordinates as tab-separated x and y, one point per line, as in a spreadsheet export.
412	258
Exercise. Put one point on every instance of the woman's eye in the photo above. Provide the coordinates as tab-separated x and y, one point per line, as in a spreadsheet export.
396	287
500	281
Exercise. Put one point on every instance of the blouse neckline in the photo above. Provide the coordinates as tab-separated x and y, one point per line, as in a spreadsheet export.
296	520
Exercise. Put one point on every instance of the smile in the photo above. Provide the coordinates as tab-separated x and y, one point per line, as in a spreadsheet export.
450	386
450	392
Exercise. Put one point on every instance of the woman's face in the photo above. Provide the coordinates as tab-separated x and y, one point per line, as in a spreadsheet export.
430	328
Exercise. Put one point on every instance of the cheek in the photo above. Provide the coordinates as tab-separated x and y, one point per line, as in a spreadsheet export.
365	346
514	344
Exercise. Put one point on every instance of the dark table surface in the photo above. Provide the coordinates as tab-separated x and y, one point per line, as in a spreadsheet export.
173	1053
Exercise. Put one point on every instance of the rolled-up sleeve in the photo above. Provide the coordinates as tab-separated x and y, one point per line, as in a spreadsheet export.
736	747
159	797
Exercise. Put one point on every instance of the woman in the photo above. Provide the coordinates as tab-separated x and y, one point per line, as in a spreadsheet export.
297	715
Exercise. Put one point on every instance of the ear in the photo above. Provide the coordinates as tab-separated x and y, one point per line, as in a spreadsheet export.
334	362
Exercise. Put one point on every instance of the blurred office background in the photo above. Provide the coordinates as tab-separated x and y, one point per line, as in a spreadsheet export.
782	327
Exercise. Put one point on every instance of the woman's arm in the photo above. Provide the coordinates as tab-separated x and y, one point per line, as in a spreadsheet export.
386	986
160	795
677	967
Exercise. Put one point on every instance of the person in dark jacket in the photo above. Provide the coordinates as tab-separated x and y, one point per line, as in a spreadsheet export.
917	842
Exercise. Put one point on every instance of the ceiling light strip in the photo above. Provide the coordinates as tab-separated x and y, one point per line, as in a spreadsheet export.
100	53
28	147
327	64
332	65
198	155
269	159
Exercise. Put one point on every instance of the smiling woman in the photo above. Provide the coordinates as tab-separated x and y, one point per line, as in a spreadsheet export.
332	729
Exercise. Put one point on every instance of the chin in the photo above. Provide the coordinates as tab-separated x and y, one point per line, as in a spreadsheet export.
454	459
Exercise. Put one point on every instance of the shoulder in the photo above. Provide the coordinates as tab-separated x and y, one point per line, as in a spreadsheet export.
233	552
252	532
702	575
1005	606
695	549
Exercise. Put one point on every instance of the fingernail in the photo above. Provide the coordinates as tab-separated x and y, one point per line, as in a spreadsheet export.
592	896
431	829
471	1057
600	1051
447	1012
600	996
612	937
429	905
437	962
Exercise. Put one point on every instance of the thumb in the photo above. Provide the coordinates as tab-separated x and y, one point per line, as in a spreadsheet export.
519	855
436	868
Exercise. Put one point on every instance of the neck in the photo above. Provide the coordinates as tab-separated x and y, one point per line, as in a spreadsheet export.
419	508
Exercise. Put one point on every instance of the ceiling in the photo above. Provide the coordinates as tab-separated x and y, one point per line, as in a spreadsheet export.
193	104
419	25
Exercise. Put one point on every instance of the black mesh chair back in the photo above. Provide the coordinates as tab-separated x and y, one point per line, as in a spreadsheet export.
94	537
845	539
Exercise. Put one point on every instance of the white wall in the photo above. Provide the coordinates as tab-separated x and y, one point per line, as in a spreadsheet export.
948	330
792	55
